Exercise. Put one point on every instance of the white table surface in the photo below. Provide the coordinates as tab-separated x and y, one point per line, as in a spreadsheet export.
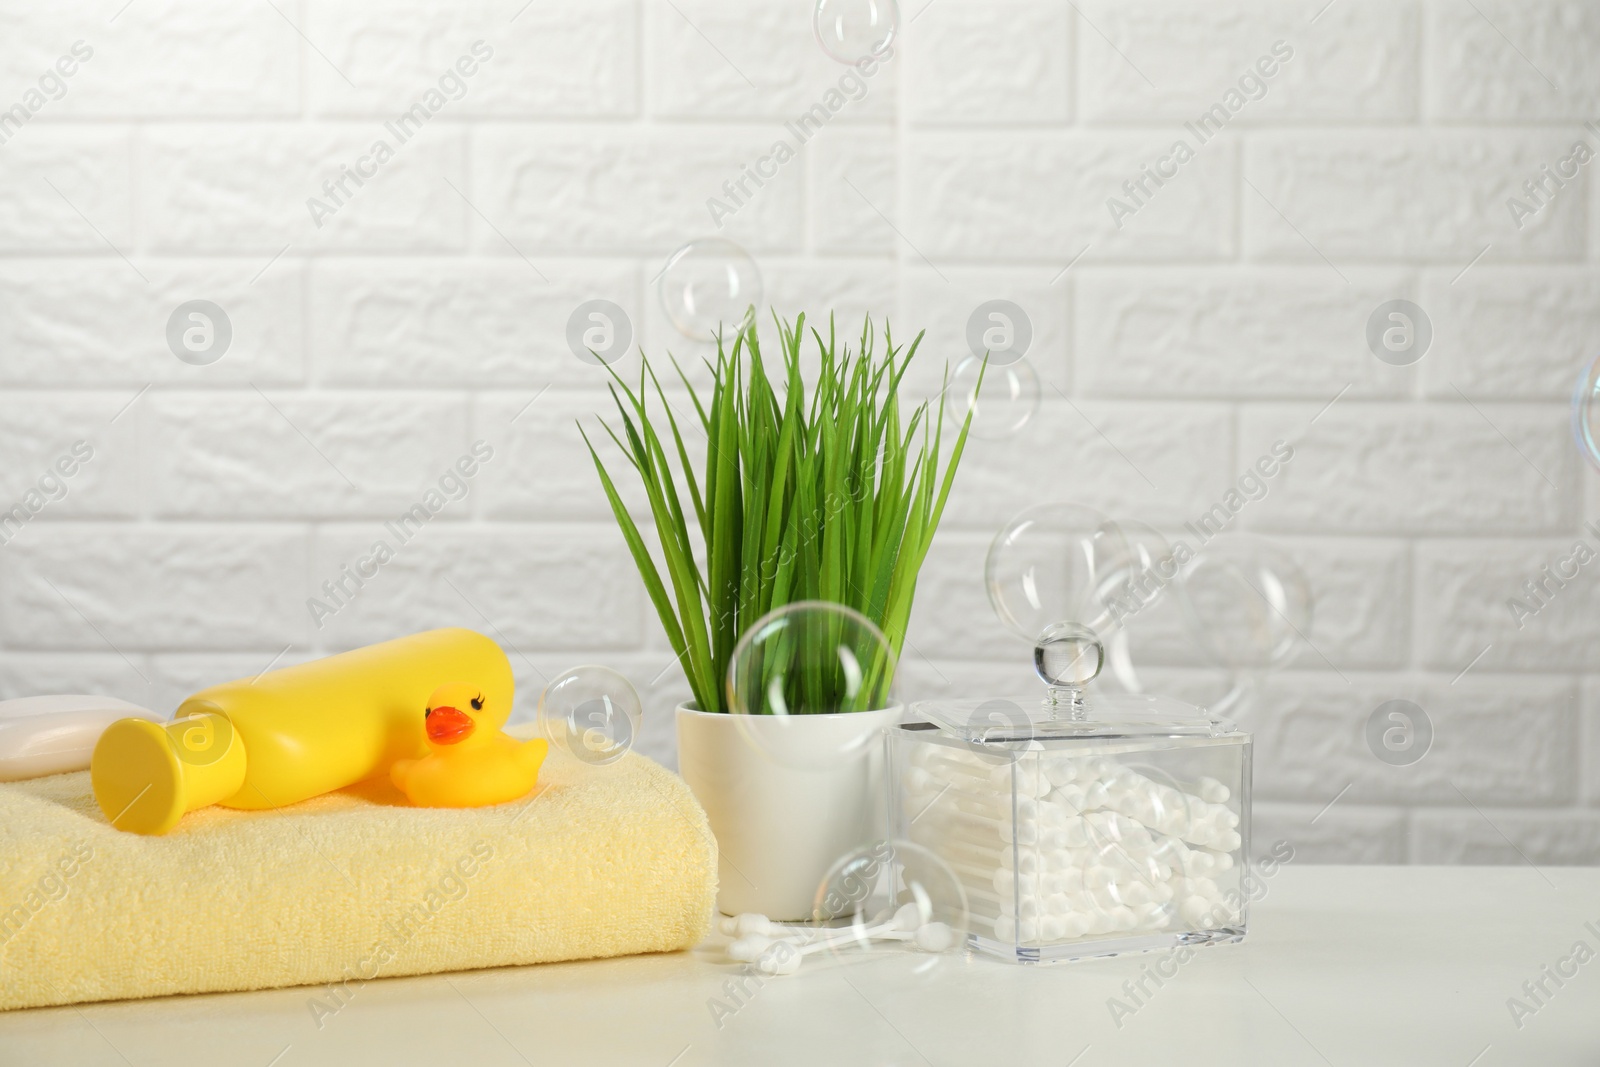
1343	966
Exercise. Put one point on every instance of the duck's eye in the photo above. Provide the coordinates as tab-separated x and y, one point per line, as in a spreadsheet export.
477	703
426	712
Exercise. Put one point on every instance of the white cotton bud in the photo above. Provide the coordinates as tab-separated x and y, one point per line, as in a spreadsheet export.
777	961
1196	911
1069	798
749	949
753	923
935	937
1075	832
1059	771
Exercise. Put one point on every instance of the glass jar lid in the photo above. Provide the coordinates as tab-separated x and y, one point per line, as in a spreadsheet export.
1002	719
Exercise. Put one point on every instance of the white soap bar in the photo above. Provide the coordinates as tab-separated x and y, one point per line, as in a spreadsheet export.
56	734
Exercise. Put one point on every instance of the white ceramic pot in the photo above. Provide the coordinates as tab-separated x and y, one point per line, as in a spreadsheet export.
786	798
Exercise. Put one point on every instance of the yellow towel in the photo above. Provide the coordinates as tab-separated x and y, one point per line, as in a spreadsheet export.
344	888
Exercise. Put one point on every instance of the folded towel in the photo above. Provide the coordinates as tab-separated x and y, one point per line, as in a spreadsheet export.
347	887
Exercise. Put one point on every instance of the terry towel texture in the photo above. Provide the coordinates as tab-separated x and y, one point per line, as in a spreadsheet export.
602	861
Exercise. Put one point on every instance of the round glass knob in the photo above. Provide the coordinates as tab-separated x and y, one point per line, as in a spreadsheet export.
1068	654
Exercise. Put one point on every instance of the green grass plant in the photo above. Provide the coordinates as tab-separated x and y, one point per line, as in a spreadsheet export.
827	496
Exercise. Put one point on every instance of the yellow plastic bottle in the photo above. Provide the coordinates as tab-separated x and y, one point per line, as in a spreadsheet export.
290	734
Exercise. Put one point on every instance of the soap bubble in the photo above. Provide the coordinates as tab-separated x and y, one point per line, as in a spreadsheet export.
592	713
1247	602
1141	575
851	30
1161	803
710	285
1149	569
1586	413
1051	564
889	896
798	666
1060	565
1008	400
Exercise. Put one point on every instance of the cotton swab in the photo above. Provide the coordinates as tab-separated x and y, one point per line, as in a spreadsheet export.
761	941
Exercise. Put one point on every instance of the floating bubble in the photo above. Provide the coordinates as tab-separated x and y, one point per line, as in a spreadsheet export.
1008	400
1586	413
1143	573
709	286
1161	802
853	30
890	895
808	659
1247	602
592	713
1149	570
1051	564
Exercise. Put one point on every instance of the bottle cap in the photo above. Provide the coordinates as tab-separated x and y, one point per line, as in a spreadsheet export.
147	774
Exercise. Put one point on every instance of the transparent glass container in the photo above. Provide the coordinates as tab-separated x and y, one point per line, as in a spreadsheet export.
1080	829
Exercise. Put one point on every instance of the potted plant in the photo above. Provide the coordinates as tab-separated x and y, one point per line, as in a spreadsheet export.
815	513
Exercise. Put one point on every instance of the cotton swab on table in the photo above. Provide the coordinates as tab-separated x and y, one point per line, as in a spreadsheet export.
763	943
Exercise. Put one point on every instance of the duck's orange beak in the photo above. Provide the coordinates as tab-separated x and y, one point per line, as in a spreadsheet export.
447	725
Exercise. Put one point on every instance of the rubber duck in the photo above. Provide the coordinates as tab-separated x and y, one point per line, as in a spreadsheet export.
471	763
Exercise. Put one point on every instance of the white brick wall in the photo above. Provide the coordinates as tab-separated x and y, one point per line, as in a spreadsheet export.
369	353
